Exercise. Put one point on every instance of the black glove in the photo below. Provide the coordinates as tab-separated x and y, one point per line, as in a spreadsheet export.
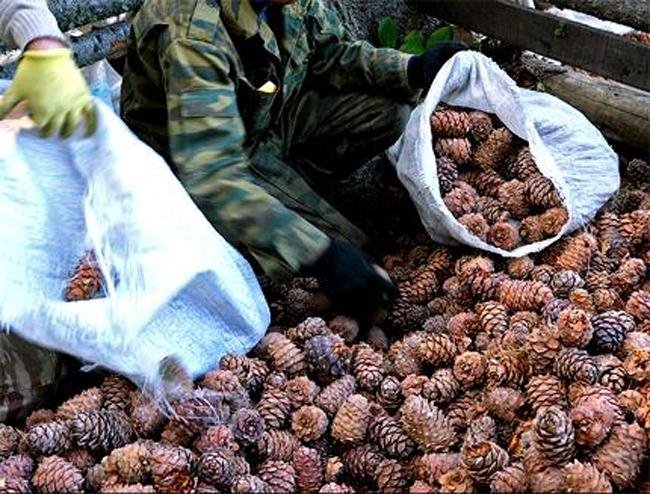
351	281
422	69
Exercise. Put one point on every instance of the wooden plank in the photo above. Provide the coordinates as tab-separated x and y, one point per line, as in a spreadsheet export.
633	13
598	51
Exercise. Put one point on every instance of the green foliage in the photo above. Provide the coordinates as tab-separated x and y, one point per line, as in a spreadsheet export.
415	42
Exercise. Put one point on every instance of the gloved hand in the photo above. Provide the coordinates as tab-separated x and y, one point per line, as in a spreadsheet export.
422	69
54	89
354	285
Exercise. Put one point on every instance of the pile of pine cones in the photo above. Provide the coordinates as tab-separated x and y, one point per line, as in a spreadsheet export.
530	374
490	182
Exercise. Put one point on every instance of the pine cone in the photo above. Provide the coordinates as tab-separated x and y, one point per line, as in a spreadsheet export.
482	460
362	461
551	311
519	268
309	423
480	125
524	295
310	327
512	196
297	305
456	149
530	229
54	475
171	468
465	409
274	407
493	318
413	384
280	476
308	467
38	417
511	479
346	327
461	200
248	426
301	391
564	281
582	299
351	421
638	305
543	345
146	416
545	391
117	393
594	415
552	221
447	174
482	285
610	329
554	435
49	438
389	394
629	275
621	455
176	433
573	253
249	484
442	387
251	372
492	210
469	368
637	365
436	349
541	192
17	467
523	166
575	327
456	480
450	123
392	476
406	316
479	430
285	356
89	400
204	407
216	469
275	379
331	398
549	480
368	367
86	280
476	225
277	445
389	436
492	152
377	339
8	440
504	403
612	373
130	462
328	357
605	300
503	235
105	430
486	183
576	365
585	478
426	424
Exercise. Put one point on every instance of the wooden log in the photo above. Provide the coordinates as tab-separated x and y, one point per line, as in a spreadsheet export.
604	53
633	13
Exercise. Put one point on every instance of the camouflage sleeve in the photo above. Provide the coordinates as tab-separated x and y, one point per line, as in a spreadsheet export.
206	135
354	65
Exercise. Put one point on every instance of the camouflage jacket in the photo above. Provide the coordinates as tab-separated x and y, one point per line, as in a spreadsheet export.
196	89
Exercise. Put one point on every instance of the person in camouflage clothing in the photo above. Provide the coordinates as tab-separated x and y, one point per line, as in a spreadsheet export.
256	105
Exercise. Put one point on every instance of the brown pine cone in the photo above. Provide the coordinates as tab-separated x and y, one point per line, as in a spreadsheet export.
309	423
328	357
285	355
576	365
216	468
519	268
522	166
476	225
543	345
413	384
377	339
223	381
480	125
389	394
49	438
368	367
545	391
621	455
524	295
582	299
575	327
308	467
280	476
431	466
447	174
504	403
585	478
638	305
248	426
512	196
171	468
310	327
637	365
351	420
552	221
481	429
483	459
251	372
594	415
549	480
54	475
146	416
406	316
346	327
492	152
389	436
89	400
482	285
523	321
530	229
492	210
493	318
541	192
461	200
465	409
8	440
629	275
38	417
607	299
117	393
301	391
551	311
17	467
204	407
463	324
442	387
610	329
274	407
105	430
450	123
638	170
564	281
503	235
573	253
456	149
334	469
507	368
456	480
486	183
436	349
426	424
511	479
392	476
362	461
334	488
277	445
420	487
635	226
177	433
554	435
469	368
130	463
612	373
86	281
421	288
249	484
334	394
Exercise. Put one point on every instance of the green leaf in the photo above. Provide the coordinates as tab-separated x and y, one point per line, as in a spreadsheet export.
388	32
413	43
445	33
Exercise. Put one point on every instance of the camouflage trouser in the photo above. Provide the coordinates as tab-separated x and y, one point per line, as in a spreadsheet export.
28	376
320	139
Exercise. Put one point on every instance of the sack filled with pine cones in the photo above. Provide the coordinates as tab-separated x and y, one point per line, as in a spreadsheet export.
500	168
522	375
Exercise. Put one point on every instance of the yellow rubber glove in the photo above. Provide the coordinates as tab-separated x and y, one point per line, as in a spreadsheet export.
54	90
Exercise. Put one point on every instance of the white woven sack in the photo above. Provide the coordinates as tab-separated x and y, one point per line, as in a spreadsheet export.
566	147
175	286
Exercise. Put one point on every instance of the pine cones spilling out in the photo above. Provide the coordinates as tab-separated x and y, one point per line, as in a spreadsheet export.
490	182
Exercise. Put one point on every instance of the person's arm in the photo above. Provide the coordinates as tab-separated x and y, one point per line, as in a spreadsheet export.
22	21
206	141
